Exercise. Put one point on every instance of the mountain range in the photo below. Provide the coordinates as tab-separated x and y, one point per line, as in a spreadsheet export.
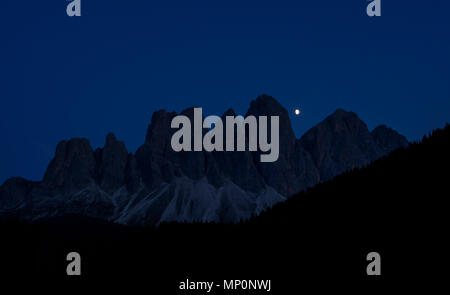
157	184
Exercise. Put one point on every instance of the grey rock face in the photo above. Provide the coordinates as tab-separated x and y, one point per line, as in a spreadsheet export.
111	163
158	185
151	158
339	143
239	167
132	174
14	192
388	139
280	174
73	166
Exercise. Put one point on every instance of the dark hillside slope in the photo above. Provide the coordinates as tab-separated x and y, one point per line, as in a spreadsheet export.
409	183
396	206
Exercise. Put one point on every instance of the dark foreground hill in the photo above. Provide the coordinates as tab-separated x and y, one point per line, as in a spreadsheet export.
397	206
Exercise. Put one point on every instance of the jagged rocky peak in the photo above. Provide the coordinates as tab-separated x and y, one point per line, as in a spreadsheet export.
159	131
158	162
345	123
229	112
281	173
340	142
388	139
112	161
73	165
266	105
340	125
111	140
14	191
153	157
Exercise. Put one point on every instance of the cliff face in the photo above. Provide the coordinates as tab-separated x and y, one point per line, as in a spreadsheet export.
157	184
342	142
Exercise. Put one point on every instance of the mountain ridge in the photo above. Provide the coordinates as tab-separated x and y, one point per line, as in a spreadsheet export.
156	184
396	206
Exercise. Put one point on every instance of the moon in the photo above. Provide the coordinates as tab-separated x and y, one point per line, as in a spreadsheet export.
297	112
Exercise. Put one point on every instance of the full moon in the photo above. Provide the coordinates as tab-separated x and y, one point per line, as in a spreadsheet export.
297	112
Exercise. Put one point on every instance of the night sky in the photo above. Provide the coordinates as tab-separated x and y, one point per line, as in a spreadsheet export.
111	68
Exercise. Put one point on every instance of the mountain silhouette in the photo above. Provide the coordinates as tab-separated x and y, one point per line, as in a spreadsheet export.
320	237
157	184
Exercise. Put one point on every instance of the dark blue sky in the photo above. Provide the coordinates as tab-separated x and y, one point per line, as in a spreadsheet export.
109	69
